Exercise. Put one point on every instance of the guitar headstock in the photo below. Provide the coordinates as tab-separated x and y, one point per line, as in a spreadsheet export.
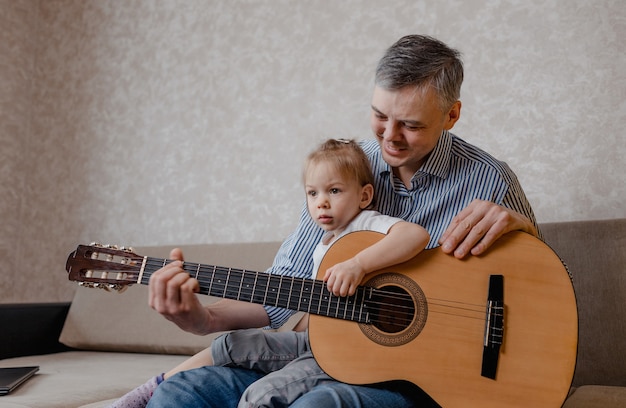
104	266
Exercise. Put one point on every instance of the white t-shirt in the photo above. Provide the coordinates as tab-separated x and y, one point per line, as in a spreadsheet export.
367	220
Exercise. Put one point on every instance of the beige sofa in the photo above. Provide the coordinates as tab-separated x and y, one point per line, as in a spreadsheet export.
111	342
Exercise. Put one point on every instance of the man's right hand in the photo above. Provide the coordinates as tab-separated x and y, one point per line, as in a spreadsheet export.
172	293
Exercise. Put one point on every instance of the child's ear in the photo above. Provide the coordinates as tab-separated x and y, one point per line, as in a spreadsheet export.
367	195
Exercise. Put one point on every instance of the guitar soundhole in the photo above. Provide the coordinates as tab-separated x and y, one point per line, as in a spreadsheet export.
398	310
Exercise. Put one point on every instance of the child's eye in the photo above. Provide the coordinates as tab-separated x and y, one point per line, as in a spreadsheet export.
311	193
335	191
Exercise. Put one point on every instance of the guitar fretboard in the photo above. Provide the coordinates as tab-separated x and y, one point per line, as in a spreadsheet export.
301	294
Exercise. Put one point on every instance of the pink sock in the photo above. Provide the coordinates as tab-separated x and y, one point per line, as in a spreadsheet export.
139	397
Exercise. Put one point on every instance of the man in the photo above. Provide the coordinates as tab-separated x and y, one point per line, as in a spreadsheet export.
464	198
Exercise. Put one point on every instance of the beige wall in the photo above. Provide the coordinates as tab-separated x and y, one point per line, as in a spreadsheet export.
185	121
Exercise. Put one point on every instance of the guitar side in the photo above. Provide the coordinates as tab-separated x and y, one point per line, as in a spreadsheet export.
444	355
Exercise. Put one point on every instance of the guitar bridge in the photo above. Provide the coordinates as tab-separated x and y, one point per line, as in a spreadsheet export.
494	327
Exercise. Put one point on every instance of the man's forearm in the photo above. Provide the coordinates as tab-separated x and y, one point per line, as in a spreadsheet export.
232	315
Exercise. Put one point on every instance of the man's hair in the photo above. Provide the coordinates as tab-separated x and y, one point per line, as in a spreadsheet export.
422	61
346	156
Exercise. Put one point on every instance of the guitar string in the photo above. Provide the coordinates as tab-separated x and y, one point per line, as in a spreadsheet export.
196	269
193	268
448	307
323	298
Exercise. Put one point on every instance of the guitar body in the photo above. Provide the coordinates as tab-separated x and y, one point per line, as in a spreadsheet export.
441	348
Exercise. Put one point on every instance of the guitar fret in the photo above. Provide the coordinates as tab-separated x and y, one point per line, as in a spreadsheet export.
240	285
248	280
352	306
319	290
300	296
289	294
345	308
319	302
226	284
258	293
293	297
233	285
223	282
328	301
311	295
307	299
280	285
270	300
211	280
287	301
361	293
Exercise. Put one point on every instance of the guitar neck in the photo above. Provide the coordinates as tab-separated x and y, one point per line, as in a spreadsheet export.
301	294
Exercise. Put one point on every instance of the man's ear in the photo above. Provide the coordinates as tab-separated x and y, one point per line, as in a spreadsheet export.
367	195
452	116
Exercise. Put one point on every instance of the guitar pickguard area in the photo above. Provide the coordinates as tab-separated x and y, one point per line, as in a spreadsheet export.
398	310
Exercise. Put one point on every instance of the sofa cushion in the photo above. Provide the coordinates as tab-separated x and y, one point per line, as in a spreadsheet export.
124	322
99	320
597	396
75	378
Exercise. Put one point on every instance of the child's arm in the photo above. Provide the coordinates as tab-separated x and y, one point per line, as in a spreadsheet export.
403	241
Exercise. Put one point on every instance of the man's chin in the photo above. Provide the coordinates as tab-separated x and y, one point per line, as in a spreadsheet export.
394	160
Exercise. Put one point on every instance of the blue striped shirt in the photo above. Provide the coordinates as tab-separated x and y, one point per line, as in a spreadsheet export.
454	174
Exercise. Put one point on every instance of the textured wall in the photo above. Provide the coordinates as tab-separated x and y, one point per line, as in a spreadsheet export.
161	122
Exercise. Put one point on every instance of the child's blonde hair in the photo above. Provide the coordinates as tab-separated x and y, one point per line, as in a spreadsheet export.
346	156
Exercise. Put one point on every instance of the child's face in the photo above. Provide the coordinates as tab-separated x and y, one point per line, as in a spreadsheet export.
332	199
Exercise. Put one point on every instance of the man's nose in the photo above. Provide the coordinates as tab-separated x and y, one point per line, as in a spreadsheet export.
389	131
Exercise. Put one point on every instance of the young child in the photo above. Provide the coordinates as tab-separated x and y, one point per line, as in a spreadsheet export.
339	191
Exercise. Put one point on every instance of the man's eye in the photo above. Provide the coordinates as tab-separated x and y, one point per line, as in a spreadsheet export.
411	128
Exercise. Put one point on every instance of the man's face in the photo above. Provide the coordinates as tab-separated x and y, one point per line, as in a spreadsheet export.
407	123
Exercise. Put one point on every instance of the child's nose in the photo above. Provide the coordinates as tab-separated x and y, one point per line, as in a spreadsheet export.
323	203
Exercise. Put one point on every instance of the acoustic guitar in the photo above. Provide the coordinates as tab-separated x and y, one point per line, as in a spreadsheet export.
499	330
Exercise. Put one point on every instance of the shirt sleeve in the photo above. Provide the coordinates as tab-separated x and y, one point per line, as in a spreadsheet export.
515	199
294	258
374	221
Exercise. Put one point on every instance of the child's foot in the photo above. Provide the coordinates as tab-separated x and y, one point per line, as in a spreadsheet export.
139	397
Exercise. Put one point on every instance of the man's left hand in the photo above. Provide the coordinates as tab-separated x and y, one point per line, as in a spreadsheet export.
479	225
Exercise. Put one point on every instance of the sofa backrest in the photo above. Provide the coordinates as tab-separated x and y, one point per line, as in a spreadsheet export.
595	254
100	320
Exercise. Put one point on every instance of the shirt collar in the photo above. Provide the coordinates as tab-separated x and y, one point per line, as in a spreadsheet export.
438	162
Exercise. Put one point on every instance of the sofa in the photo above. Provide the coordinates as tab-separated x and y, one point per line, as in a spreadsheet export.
102	344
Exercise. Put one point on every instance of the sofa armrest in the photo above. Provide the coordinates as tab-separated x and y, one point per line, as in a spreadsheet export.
31	328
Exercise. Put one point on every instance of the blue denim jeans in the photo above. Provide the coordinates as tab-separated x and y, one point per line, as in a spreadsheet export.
222	387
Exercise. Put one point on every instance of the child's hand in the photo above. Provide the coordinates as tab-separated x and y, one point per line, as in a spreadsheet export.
343	278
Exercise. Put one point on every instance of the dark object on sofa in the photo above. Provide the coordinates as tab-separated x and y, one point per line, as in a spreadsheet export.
30	329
